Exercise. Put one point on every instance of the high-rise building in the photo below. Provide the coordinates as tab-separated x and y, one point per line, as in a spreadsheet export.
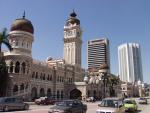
98	53
130	64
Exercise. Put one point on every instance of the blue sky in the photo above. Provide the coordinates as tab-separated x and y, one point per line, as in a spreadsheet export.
121	21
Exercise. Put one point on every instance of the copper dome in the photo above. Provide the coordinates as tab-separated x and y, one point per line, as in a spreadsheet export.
22	24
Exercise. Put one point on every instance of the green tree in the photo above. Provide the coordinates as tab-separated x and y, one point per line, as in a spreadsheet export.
3	68
4	40
3	78
112	81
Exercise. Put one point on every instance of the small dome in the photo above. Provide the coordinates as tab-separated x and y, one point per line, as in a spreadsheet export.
73	19
22	24
86	79
104	66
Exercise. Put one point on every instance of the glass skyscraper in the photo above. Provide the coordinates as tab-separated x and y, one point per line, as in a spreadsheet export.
130	64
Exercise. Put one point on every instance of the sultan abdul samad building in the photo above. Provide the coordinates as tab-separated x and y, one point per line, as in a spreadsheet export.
29	78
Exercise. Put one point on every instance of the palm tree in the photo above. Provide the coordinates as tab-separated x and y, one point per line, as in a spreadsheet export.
3	78
112	80
3	68
4	40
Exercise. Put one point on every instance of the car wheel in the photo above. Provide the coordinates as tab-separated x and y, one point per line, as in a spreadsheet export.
83	111
6	108
26	107
69	112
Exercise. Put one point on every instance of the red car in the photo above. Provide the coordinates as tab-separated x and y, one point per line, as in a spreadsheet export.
45	101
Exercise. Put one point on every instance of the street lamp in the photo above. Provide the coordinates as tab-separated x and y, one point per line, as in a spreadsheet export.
103	72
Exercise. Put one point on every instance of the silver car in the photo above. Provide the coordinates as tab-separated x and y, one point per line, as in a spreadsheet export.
111	105
12	103
142	100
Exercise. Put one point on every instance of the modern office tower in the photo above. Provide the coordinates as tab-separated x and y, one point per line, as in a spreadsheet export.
130	64
98	53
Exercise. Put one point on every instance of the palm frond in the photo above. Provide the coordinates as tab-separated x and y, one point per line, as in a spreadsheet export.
4	39
8	45
4	33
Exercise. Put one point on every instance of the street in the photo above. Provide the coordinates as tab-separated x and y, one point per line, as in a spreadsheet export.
91	108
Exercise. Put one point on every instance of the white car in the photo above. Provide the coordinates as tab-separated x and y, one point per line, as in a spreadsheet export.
142	101
111	105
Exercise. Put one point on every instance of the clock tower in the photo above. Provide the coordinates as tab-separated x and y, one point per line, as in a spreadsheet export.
72	40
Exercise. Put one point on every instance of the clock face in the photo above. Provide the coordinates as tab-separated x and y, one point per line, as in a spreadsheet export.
69	33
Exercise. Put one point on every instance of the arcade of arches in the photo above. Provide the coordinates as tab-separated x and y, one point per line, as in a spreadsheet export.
74	94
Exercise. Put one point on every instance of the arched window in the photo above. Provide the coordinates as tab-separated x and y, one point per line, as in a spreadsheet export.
48	77
22	44
62	94
60	79
17	43
11	67
58	94
22	86
36	75
27	45
88	93
41	76
33	74
17	67
42	92
44	76
15	89
49	93
23	67
57	78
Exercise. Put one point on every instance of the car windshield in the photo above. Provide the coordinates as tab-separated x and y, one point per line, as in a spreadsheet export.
42	98
1	99
129	102
142	98
109	103
65	103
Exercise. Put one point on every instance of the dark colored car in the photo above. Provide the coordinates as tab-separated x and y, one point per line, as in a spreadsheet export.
12	103
69	106
45	101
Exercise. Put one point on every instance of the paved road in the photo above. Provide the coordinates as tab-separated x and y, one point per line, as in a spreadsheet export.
91	108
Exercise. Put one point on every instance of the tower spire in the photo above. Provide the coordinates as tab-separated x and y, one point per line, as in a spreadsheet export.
73	14
23	15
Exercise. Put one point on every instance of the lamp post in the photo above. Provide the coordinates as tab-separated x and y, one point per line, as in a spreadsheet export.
103	72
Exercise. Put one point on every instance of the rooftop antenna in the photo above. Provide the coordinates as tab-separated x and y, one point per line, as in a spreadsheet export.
73	10
23	15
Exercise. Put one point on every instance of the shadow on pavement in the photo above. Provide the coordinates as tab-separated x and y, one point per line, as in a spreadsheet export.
138	111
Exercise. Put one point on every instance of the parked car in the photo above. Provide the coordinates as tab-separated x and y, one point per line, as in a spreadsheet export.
142	100
130	105
12	103
69	106
45	101
111	105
